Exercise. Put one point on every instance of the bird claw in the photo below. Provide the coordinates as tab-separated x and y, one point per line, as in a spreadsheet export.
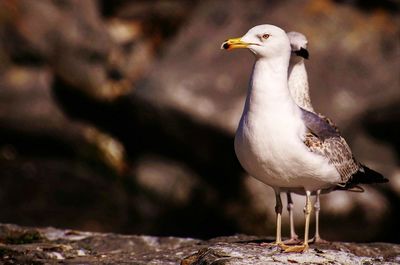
275	244
318	240
292	241
295	249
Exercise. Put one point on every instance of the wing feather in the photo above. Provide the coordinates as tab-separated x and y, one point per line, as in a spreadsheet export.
324	139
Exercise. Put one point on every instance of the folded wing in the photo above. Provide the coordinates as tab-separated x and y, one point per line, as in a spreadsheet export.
324	139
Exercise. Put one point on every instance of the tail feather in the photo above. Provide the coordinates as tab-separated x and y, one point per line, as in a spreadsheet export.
364	175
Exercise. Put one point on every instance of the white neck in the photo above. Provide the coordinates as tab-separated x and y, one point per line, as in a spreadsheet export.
268	87
298	84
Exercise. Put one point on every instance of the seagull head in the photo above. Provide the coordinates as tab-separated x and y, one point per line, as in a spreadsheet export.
265	41
298	43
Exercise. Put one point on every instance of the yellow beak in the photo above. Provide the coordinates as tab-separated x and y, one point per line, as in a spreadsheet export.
234	44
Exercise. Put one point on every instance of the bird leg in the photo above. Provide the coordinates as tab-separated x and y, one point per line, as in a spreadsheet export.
307	212
294	239
317	207
278	211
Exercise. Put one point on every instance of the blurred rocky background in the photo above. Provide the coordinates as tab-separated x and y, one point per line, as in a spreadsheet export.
119	115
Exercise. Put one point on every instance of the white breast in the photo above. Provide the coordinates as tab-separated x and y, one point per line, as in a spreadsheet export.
269	146
269	142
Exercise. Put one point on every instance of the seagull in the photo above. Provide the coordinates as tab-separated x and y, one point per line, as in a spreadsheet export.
281	144
299	90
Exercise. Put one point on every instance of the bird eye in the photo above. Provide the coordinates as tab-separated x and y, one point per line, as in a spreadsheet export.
265	36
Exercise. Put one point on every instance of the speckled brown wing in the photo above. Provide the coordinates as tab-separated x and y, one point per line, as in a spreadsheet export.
324	139
337	151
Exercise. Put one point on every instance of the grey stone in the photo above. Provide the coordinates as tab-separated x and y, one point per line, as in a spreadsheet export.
22	245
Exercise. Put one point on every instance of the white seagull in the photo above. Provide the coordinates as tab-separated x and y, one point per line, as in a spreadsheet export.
281	144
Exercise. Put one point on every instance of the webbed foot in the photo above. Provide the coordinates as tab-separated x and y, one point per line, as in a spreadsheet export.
292	241
296	249
318	240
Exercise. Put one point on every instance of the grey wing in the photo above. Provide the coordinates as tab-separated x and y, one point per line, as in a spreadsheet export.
324	140
329	121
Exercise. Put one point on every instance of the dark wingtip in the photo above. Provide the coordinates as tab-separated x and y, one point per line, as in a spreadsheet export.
364	175
302	53
376	176
368	176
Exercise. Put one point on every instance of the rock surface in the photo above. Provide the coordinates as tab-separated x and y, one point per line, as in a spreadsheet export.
22	245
